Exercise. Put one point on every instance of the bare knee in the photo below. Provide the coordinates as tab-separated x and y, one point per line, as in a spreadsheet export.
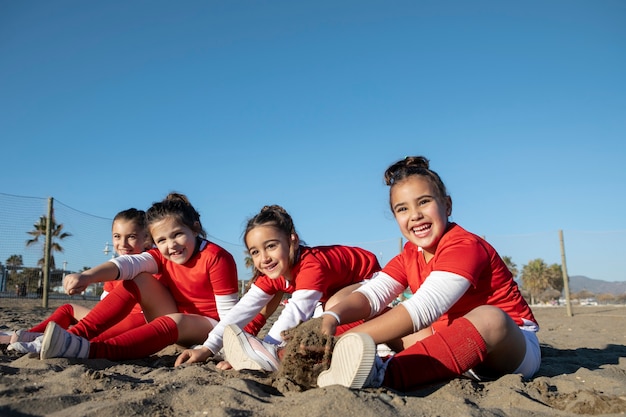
192	329
506	345
492	323
156	299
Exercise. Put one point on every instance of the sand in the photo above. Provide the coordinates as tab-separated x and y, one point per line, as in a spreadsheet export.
583	373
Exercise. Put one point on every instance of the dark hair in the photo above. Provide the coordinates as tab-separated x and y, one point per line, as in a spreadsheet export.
414	165
277	217
132	215
138	217
177	206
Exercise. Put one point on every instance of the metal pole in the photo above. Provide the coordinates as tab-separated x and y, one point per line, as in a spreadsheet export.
568	303
47	250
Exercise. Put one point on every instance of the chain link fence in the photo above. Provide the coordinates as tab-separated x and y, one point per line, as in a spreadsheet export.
82	241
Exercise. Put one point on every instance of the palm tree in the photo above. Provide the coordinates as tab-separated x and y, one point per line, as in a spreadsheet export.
14	262
249	263
555	277
510	265
535	276
57	233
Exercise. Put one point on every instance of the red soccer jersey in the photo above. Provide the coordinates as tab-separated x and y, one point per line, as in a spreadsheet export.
209	272
465	254
326	269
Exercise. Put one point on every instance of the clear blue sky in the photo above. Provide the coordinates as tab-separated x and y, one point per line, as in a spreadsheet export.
520	106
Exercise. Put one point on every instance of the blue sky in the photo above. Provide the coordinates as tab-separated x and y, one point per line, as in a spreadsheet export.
520	106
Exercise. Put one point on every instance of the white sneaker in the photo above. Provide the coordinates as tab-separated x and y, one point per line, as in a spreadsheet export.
58	343
244	351
354	363
27	347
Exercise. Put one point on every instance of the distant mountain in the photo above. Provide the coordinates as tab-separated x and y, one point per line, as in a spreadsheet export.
596	286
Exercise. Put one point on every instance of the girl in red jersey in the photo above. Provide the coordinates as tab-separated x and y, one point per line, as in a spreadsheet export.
197	284
466	314
281	264
129	236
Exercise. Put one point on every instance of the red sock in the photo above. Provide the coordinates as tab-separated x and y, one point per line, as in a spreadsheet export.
108	312
255	326
132	321
63	316
139	342
342	328
442	356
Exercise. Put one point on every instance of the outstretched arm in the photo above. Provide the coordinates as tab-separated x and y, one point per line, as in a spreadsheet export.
122	267
77	283
365	302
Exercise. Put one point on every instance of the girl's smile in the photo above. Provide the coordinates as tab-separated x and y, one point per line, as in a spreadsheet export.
174	240
269	249
421	213
128	237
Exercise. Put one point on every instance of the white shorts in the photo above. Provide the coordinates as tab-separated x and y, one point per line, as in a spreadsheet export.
532	360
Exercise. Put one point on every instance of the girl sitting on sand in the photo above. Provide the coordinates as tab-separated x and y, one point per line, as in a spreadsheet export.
129	236
197	284
466	314
281	264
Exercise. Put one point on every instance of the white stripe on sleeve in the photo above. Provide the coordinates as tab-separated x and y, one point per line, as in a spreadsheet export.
440	291
380	291
132	265
240	314
225	303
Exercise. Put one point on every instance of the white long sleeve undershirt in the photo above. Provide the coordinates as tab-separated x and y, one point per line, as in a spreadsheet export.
240	314
132	265
440	291
300	308
225	303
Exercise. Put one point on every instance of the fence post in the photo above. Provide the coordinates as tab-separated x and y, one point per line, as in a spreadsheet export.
47	250
568	303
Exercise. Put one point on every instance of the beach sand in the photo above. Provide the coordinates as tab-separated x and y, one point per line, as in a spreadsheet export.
583	373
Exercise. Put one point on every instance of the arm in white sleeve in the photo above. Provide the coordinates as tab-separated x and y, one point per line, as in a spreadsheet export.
380	291
225	303
240	314
440	291
132	265
300	307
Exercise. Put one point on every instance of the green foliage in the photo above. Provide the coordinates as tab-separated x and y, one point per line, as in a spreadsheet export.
534	277
510	265
543	282
249	263
555	277
14	262
57	233
28	278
